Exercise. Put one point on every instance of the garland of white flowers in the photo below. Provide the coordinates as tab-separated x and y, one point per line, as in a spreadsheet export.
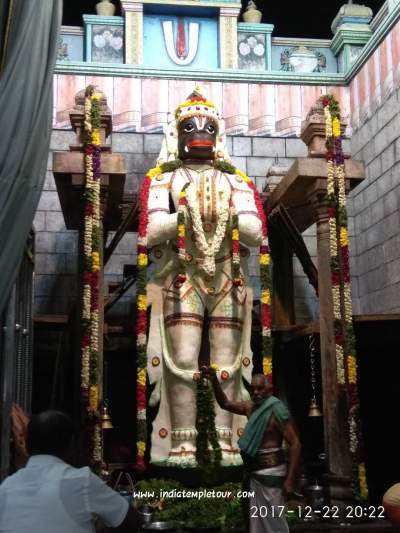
91	277
209	250
345	344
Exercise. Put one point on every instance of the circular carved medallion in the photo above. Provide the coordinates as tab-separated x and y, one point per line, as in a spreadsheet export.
163	433
224	375
155	361
246	361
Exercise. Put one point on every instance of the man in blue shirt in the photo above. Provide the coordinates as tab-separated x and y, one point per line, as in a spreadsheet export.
49	495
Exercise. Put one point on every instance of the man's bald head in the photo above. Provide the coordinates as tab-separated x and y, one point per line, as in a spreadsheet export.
261	388
50	433
263	378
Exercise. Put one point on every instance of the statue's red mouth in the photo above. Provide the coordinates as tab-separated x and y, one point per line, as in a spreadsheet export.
201	143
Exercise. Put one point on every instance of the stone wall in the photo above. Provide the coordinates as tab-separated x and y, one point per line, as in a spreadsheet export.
56	247
375	208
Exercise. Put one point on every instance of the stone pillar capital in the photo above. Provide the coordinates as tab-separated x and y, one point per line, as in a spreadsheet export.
313	130
131	6
229	12
318	201
352	16
77	118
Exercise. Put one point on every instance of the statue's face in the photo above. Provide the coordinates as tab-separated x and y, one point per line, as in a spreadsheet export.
197	138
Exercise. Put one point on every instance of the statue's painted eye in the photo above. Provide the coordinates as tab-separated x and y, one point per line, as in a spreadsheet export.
210	129
189	127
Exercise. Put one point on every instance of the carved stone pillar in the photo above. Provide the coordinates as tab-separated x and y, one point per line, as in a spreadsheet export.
69	174
335	407
133	12
302	192
228	37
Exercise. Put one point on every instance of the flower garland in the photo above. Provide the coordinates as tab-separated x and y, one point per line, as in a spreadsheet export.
182	232
141	319
225	166
346	363
209	250
91	269
237	280
208	460
264	278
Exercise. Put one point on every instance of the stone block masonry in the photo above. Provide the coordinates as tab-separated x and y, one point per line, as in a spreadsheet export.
376	211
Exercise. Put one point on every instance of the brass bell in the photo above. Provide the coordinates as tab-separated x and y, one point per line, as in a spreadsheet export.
106	419
314	409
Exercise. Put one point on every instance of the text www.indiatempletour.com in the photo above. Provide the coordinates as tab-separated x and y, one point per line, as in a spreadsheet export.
196	494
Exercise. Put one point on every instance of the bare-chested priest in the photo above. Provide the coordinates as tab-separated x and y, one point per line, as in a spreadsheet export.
266	474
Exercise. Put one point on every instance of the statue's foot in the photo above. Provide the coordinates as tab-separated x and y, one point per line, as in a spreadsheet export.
230	456
182	447
182	455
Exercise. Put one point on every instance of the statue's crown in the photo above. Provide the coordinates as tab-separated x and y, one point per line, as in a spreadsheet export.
197	104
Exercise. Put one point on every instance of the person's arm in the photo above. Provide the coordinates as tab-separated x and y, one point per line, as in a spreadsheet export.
289	433
131	523
110	507
239	408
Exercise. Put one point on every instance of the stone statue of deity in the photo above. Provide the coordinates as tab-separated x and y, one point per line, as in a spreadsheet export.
201	217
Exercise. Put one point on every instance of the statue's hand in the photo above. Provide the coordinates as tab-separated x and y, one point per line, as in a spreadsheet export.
208	372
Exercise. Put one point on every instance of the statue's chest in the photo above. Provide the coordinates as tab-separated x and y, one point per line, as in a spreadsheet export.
211	188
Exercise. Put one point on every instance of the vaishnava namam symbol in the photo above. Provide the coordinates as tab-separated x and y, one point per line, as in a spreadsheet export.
183	53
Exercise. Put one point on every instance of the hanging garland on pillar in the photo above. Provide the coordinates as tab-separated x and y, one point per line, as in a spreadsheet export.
91	273
346	362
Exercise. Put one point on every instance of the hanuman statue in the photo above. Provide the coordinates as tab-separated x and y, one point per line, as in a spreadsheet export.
199	215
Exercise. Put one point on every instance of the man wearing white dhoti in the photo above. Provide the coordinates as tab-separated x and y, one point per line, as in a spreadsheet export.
266	474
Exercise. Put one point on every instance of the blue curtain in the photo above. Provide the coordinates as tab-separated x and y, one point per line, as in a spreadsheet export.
28	47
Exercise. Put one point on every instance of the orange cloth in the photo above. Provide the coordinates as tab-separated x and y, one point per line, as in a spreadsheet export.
19	427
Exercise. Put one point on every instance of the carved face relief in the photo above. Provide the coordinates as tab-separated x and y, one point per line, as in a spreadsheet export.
197	138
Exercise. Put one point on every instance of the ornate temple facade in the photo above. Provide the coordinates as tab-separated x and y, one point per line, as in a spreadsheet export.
264	86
